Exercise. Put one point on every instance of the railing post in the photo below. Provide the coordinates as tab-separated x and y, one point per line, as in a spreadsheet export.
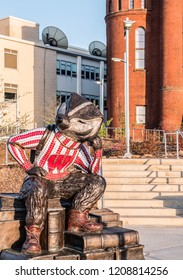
177	143
6	152
165	145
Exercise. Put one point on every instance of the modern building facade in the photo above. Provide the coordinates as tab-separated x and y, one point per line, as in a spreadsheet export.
156	60
35	77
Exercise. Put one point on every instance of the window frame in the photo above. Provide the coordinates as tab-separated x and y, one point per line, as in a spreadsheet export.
10	58
11	89
131	4
66	68
120	5
143	4
140	41
141	116
89	72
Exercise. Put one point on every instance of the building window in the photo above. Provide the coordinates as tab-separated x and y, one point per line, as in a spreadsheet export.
10	92
62	96
90	72
97	74
87	72
140	48
140	114
105	73
110	6
131	4
143	4
119	5
10	58
74	70
93	99
66	68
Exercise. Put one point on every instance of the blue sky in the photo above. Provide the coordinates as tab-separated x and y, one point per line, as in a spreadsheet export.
81	20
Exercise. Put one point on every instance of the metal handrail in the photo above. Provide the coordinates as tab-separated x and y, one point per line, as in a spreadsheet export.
177	133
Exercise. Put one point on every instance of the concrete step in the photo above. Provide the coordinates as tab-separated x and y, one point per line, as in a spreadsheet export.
135	167
130	195
144	187
172	202
152	220
145	191
143	180
133	203
143	195
141	161
142	174
132	161
147	211
158	202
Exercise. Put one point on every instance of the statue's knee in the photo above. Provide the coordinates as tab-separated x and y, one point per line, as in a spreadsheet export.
101	183
32	186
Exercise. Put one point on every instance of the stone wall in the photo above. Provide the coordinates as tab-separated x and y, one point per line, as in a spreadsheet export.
11	178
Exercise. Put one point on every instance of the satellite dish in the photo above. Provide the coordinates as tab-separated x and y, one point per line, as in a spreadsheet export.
97	48
54	37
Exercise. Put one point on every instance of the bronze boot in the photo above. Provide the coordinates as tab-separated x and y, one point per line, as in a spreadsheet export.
32	242
79	221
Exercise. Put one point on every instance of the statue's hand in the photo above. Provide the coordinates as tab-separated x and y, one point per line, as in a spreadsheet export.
96	143
37	171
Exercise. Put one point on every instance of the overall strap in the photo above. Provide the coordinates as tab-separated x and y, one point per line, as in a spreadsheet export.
34	153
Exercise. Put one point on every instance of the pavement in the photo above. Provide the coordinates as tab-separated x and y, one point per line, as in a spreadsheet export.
161	243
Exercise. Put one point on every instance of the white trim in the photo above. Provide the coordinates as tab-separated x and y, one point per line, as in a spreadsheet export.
79	108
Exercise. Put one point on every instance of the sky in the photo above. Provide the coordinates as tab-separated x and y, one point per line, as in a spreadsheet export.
82	21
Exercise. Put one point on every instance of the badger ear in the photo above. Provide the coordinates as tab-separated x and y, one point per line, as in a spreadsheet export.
62	109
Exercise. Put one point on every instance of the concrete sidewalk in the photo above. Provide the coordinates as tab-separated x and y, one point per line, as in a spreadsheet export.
161	243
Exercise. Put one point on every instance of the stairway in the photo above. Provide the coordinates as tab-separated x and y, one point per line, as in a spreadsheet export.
145	191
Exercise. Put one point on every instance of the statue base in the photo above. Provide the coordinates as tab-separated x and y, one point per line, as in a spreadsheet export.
113	243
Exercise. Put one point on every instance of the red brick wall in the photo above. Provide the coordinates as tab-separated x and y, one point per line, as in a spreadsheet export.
151	86
171	65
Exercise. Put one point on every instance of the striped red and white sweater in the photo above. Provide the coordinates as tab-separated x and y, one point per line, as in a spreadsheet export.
58	154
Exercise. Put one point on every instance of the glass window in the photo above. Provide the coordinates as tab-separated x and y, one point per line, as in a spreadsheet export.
110	6
62	96
97	73
140	48
131	4
10	58
119	5
140	114
87	72
143	4
93	99
63	67
105	73
74	70
92	73
68	67
10	92
58	67
82	71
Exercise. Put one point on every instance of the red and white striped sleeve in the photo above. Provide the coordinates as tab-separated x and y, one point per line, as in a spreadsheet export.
27	140
88	163
96	162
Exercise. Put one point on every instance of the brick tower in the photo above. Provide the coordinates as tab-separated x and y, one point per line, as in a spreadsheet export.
155	57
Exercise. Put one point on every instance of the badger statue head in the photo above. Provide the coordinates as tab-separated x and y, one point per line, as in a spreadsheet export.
79	118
